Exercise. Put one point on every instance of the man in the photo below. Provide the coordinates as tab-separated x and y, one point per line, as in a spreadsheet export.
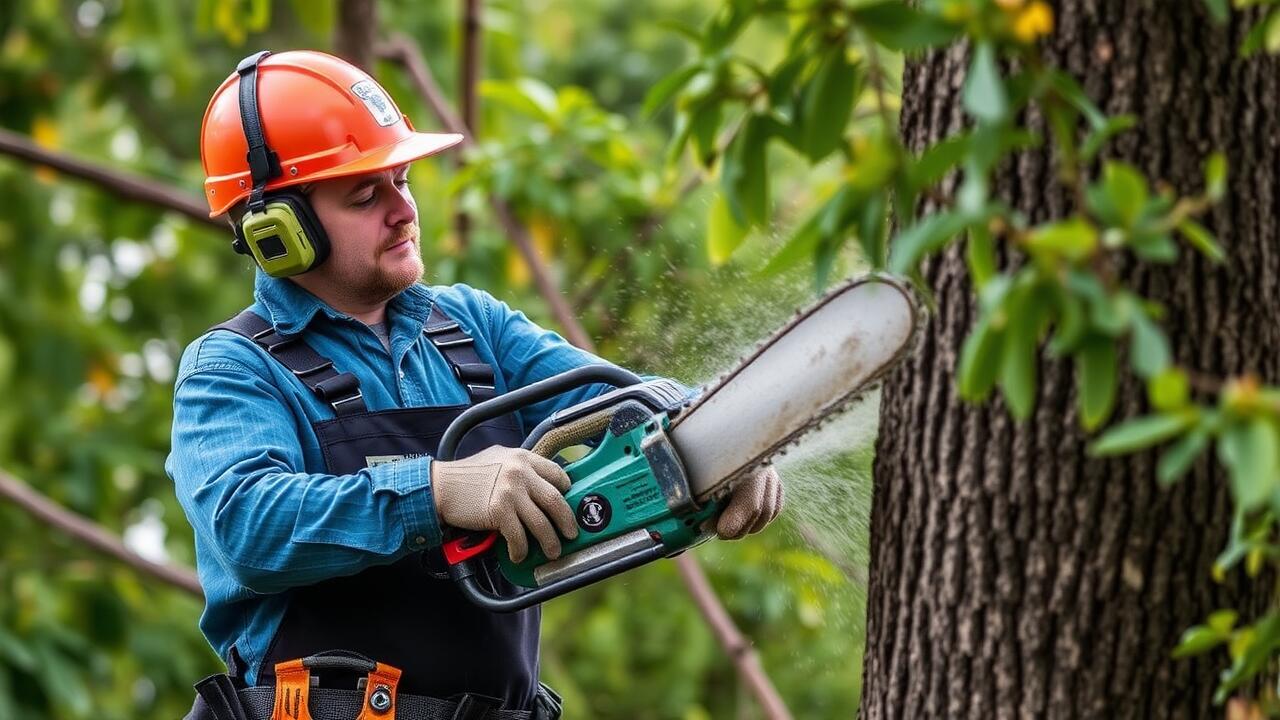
304	428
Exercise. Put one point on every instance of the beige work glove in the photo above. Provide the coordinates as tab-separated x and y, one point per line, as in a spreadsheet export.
508	490
754	503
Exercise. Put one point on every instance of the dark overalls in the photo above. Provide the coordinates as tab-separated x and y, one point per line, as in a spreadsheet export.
407	614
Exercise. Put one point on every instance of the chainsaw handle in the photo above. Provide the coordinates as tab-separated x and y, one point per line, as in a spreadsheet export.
457	550
528	395
464	575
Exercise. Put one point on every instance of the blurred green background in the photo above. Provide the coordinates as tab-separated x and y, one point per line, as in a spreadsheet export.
98	297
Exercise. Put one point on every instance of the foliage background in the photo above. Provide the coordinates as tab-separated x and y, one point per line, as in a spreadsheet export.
98	297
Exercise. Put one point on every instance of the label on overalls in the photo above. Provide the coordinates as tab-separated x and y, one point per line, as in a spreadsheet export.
376	460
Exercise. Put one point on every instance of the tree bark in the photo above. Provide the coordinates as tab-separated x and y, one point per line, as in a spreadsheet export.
1012	576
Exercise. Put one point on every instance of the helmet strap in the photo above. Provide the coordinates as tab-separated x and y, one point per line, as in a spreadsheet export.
264	164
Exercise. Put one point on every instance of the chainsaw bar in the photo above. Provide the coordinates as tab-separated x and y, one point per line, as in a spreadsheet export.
808	370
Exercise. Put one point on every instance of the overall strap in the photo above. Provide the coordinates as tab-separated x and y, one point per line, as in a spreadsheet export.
458	348
341	390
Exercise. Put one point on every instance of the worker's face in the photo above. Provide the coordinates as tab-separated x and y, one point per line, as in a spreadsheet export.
372	223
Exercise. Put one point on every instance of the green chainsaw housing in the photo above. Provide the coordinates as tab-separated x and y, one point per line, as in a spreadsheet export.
620	476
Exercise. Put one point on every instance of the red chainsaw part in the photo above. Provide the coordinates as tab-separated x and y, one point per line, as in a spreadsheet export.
468	546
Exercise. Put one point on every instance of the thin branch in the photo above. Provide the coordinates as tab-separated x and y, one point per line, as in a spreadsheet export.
738	648
124	185
355	31
468	78
93	535
740	652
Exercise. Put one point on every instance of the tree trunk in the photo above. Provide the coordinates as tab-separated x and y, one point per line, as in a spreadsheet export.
1012	576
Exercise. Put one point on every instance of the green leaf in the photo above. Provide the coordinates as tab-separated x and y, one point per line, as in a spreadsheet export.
1158	248
1149	352
1262	34
924	237
724	234
1218	9
1175	461
981	255
802	244
1169	389
1018	360
1140	433
1249	450
1201	239
662	91
871	230
1098	137
1127	189
898	26
937	160
1096	380
704	122
745	175
1197	640
828	103
1215	176
15	652
679	138
984	92
526	96
1070	90
1074	239
1070	325
980	360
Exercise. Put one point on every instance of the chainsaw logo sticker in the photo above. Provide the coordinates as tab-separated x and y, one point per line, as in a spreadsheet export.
594	512
377	102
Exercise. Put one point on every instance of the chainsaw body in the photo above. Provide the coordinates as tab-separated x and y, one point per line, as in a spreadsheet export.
629	492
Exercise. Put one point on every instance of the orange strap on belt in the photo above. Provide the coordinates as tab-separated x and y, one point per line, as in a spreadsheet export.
380	694
293	686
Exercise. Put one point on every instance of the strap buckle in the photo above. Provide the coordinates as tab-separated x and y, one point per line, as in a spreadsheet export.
474	706
336	404
547	704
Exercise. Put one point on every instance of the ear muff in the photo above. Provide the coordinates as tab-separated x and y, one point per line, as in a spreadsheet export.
285	238
279	229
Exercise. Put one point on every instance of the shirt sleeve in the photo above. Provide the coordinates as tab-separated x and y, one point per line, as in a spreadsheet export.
236	463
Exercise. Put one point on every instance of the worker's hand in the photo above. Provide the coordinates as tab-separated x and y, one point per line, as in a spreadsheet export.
508	490
755	502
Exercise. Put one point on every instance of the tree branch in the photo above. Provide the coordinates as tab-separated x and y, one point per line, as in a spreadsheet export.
735	645
129	187
355	31
93	535
468	77
731	639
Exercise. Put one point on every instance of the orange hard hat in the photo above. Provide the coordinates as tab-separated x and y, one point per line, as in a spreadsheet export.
322	116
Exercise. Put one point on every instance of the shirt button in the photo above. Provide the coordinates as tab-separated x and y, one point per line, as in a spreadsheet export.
420	540
401	374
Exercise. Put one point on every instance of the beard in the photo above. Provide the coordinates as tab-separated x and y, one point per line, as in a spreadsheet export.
386	283
365	284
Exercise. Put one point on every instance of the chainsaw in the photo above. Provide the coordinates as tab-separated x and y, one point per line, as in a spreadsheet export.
657	464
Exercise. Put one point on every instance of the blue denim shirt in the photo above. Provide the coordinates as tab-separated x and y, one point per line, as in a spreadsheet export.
247	466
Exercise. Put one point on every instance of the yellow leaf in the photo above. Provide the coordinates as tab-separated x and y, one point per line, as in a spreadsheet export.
44	132
516	270
101	379
1036	19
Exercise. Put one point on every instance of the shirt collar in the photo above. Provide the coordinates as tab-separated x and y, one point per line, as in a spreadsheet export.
292	307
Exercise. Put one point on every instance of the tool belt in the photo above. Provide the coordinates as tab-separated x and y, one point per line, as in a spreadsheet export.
298	696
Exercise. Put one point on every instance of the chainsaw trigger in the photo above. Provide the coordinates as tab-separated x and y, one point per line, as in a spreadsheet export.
468	546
